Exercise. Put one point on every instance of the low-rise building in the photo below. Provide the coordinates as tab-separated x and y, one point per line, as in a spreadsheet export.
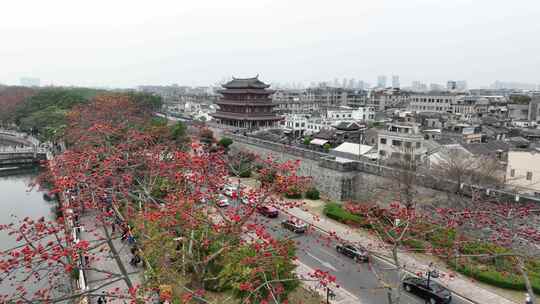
354	151
439	103
523	171
399	140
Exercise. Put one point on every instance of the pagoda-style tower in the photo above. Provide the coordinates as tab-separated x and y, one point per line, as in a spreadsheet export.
246	103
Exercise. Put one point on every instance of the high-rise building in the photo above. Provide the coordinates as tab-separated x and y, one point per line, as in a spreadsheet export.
451	85
30	82
381	81
352	84
436	87
361	85
395	81
419	86
461	85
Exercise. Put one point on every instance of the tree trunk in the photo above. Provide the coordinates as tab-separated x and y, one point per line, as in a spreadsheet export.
528	285
389	294
398	274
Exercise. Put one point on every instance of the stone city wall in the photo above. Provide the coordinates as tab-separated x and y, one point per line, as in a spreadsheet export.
355	180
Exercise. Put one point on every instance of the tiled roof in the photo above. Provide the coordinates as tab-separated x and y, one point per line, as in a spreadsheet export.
486	148
325	134
245	83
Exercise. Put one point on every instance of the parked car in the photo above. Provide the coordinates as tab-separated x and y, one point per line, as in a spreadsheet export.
222	201
294	226
434	293
356	253
229	190
247	200
268	211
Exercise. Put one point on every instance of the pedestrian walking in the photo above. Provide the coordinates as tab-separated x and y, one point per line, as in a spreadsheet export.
102	299
113	227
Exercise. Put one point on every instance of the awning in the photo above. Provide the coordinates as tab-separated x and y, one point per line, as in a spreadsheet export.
318	142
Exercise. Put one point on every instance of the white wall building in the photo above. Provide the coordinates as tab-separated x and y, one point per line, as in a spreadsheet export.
523	171
400	139
432	103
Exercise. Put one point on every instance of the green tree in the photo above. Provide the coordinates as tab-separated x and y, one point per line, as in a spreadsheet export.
307	140
327	147
179	134
207	137
147	101
521	99
225	142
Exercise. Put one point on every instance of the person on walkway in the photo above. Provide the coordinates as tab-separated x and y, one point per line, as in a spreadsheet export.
135	260
528	299
131	239
103	298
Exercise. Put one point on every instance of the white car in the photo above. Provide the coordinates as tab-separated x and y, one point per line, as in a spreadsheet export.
222	201
246	200
229	190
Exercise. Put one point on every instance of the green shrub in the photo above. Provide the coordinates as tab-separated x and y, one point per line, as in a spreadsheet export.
327	147
414	244
312	194
336	212
225	142
293	194
496	278
482	248
442	238
245	173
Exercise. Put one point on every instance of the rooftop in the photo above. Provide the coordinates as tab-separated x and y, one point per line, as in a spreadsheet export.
246	83
486	148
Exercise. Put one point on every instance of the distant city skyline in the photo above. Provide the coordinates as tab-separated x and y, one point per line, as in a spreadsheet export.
104	43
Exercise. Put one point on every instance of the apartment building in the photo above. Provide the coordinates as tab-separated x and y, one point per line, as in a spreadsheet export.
400	139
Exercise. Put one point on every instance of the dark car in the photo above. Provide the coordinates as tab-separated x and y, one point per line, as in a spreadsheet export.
268	211
356	253
434	293
297	227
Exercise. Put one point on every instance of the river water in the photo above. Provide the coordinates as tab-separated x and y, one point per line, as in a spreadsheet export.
17	199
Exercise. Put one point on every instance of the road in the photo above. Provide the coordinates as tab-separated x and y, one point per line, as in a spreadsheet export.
316	250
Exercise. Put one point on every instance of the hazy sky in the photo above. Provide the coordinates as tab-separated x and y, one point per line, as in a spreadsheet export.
199	42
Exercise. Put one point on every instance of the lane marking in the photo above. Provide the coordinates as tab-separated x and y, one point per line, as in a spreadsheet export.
330	253
324	263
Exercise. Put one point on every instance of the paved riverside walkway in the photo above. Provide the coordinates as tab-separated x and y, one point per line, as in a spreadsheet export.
108	270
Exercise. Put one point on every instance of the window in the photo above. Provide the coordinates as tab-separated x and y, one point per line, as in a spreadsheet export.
382	153
418	145
529	176
512	173
396	143
408	145
383	141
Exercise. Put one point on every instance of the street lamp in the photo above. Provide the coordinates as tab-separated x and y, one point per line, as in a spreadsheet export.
432	273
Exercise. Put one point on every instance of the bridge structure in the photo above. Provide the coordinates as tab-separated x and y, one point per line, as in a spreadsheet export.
20	149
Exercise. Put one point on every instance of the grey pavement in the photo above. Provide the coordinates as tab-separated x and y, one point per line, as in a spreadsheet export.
107	270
